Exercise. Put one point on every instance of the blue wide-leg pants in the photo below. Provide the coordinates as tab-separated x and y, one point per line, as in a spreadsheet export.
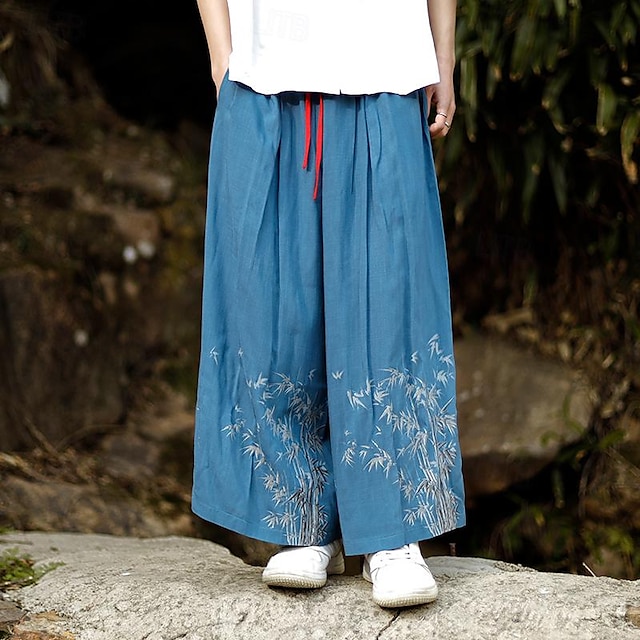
326	396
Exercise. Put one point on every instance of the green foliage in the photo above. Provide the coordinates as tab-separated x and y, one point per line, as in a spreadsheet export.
563	521
615	540
19	570
549	95
541	535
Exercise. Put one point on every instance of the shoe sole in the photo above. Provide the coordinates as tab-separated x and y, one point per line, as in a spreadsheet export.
302	580
293	582
406	599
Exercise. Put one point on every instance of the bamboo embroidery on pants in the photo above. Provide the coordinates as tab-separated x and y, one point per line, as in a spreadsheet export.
422	420
294	474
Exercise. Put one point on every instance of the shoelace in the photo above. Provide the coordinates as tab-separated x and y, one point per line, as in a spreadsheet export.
319	138
382	558
403	553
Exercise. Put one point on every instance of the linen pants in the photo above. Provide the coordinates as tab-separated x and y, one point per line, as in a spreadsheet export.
326	393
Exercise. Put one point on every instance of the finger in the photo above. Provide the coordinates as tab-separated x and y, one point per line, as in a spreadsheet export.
441	125
438	130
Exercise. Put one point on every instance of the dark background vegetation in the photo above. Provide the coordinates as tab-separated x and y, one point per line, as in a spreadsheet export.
539	181
150	58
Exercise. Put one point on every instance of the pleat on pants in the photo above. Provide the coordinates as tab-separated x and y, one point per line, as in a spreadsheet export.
326	393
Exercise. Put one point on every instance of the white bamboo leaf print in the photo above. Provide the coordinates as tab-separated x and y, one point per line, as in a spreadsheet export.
397	423
233	429
271	481
420	410
272	519
260	382
380	459
379	396
348	457
448	360
294	472
355	400
388	414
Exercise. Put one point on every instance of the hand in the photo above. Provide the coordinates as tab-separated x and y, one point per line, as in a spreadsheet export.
441	98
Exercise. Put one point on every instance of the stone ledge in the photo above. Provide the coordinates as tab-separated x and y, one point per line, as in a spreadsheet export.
113	588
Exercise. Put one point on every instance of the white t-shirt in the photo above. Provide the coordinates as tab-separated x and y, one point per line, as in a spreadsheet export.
332	46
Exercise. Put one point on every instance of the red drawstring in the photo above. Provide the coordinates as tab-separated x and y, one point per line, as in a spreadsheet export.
319	138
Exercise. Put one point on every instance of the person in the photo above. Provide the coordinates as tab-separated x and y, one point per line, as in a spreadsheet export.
326	416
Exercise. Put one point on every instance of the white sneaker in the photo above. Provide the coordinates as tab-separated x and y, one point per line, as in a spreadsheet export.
400	577
304	567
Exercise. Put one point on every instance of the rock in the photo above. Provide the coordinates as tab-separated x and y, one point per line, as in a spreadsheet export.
127	457
25	633
10	615
633	616
165	422
43	626
169	416
96	295
51	505
516	410
162	589
253	552
139	229
146	185
56	375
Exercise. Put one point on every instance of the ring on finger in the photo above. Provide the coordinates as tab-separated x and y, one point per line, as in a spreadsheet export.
447	124
441	113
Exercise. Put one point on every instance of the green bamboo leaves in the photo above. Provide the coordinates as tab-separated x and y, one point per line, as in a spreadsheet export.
548	88
629	137
606	112
469	93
